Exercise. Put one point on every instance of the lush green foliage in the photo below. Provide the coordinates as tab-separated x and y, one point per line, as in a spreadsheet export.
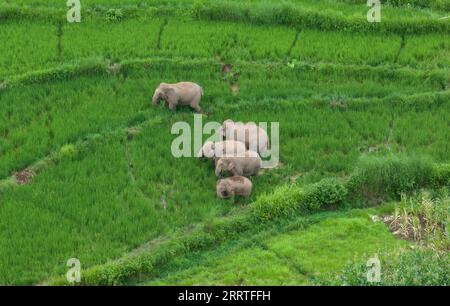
404	268
425	218
390	175
363	110
32	45
297	251
309	15
285	202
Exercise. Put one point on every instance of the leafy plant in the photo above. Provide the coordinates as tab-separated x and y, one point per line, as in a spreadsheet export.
419	267
114	15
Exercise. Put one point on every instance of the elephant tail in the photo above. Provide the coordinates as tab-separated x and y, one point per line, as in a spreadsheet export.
201	91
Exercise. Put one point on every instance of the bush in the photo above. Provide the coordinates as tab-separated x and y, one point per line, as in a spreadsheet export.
436	4
114	15
326	192
293	15
441	175
288	200
283	202
67	150
385	177
408	268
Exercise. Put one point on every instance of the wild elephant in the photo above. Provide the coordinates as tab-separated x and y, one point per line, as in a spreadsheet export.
183	93
219	149
254	137
234	186
246	164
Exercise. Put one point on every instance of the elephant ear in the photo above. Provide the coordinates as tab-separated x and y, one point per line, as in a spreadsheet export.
170	94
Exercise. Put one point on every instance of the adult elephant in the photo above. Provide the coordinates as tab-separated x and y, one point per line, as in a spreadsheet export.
183	93
254	137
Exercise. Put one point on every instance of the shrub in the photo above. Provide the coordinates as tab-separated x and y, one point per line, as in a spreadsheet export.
384	177
196	8
67	150
326	192
294	15
407	268
424	218
287	200
284	201
441	175
114	15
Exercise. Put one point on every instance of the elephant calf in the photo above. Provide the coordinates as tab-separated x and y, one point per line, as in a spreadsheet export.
234	186
247	164
183	93
221	148
254	137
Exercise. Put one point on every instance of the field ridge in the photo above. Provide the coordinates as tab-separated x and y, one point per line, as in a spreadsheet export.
98	66
50	159
285	14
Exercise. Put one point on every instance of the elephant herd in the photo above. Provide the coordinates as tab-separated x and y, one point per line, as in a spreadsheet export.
238	153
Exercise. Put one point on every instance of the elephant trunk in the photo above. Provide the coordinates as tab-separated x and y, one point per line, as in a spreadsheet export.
218	171
155	98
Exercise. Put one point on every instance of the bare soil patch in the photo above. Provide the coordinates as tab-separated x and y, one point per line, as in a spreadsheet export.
24	177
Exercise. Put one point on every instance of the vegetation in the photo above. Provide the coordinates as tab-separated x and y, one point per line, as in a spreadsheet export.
86	169
423	218
296	252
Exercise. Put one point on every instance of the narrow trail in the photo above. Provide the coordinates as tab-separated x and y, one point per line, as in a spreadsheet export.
294	43
160	34
400	49
97	66
351	126
131	173
388	142
59	34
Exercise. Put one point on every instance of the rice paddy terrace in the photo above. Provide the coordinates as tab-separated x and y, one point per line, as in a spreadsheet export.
85	159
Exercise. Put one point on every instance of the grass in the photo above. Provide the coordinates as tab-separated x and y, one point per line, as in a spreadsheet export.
79	189
359	106
105	102
323	244
424	217
98	38
400	268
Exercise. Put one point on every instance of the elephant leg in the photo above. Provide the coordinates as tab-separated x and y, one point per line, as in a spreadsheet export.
172	107
197	109
166	104
195	104
237	170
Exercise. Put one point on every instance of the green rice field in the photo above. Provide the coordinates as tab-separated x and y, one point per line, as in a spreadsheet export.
364	117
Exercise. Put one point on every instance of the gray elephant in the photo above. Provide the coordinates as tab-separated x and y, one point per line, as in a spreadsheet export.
254	137
183	93
219	149
247	164
234	186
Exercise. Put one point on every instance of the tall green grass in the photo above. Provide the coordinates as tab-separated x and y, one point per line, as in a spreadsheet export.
33	45
401	268
148	171
294	252
330	18
285	202
105	180
41	118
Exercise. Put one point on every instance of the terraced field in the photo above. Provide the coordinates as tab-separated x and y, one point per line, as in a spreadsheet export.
86	169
